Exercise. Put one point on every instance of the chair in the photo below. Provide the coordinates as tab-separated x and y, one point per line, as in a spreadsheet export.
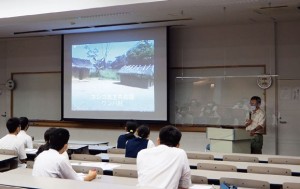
116	151
278	160
240	158
125	173
123	160
191	155
85	169
196	179
30	164
269	170
290	185
85	157
247	183
216	167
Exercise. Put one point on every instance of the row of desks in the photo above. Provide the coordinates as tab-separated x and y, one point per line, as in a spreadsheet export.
214	176
101	181
263	158
241	166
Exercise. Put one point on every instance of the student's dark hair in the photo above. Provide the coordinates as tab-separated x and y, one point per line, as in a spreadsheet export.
169	135
12	124
58	138
48	133
257	99
143	131
23	122
131	126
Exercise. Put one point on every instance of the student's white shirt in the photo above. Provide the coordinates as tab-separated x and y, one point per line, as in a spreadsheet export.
26	139
150	144
163	167
12	142
50	163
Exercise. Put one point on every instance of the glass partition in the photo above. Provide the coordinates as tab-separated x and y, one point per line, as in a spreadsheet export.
213	96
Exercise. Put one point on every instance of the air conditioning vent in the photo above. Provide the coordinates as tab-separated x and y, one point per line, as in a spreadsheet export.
29	32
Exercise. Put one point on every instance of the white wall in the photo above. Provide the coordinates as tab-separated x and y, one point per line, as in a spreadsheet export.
197	46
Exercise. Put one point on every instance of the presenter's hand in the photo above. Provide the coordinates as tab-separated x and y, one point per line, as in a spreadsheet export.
252	133
248	122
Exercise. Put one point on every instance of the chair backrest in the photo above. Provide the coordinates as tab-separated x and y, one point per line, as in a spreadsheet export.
290	185
269	170
247	183
216	167
240	158
125	173
85	169
116	151
278	160
123	160
29	164
85	157
196	179
191	155
8	152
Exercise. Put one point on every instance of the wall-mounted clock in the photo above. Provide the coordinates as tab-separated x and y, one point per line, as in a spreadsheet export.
10	84
264	82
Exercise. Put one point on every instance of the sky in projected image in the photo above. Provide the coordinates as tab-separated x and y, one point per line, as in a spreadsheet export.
116	76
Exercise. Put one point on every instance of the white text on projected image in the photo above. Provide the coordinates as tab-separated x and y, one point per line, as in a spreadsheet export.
115	76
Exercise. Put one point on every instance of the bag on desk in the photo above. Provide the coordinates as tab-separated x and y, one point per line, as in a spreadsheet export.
227	186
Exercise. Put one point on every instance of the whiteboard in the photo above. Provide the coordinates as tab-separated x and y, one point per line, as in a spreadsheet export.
37	95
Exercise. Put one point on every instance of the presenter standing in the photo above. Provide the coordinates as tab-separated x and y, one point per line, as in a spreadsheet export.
255	125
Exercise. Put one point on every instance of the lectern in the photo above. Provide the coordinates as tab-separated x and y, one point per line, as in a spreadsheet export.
229	140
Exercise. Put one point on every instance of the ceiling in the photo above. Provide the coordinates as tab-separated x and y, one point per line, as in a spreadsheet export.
127	14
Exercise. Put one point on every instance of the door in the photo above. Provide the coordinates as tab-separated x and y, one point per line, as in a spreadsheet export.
289	117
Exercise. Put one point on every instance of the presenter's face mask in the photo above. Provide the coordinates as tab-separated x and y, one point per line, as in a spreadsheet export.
252	108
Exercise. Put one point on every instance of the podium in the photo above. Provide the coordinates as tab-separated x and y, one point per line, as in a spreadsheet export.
229	140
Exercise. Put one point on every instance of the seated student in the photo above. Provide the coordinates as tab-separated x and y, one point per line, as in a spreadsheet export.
133	146
46	146
130	128
51	164
166	165
11	141
23	136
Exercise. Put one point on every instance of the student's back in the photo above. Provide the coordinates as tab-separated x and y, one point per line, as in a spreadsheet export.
23	136
11	141
130	129
164	166
123	139
133	146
